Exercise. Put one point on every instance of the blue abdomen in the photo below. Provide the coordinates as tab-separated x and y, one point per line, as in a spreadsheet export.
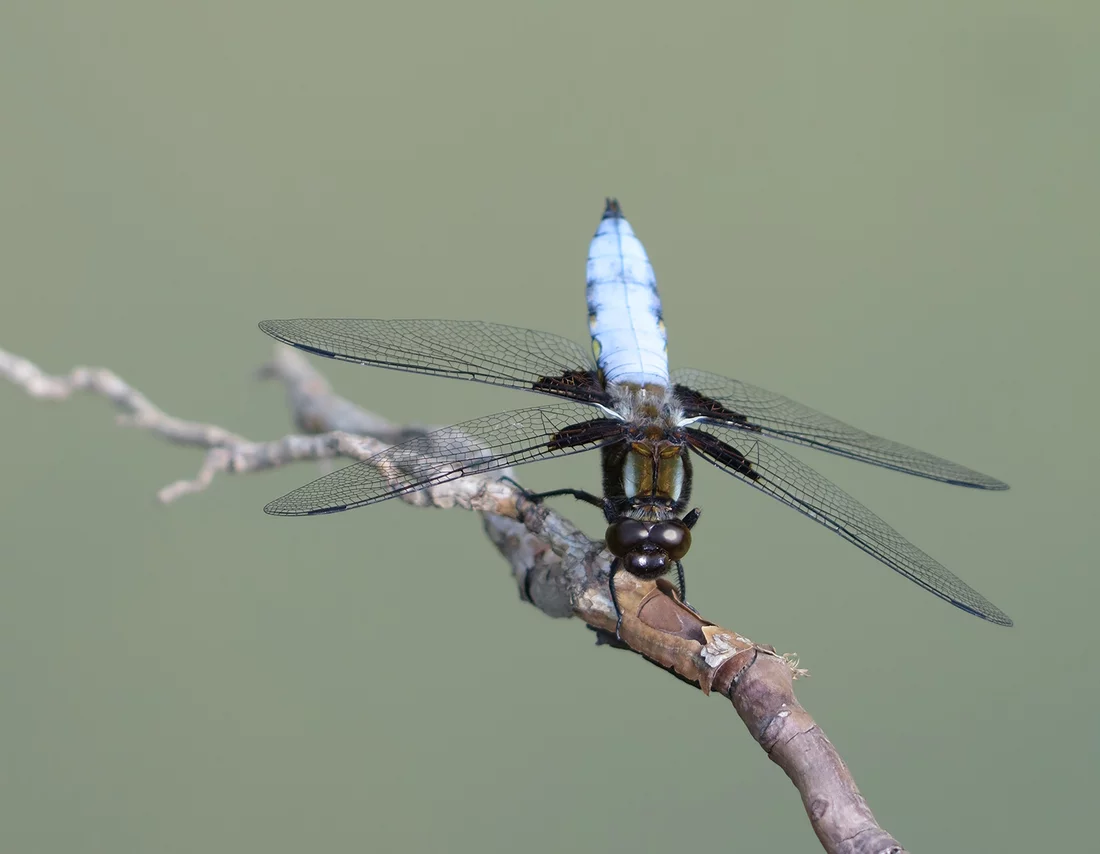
624	309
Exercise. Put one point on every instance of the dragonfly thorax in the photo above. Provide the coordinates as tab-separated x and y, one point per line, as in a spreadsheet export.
645	479
647	476
654	406
654	469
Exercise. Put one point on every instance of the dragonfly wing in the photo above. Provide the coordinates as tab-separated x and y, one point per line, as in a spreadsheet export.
485	444
794	483
465	349
753	409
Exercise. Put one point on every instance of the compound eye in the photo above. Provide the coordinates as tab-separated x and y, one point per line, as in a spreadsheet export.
673	537
626	535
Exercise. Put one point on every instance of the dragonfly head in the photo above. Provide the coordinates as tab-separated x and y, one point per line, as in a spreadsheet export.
648	549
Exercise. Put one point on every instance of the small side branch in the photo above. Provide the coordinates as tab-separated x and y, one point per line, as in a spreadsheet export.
555	566
137	409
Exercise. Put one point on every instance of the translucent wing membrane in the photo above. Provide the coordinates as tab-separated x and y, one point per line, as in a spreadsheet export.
482	445
791	481
471	350
719	398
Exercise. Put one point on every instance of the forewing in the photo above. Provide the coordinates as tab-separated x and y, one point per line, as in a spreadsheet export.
750	408
470	350
791	481
474	447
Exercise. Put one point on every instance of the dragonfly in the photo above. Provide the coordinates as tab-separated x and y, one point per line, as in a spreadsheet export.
647	422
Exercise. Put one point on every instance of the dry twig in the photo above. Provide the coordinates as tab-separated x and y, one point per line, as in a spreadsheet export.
557	568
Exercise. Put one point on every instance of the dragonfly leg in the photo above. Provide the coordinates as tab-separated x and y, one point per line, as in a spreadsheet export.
616	565
579	494
691	518
683	585
516	484
608	507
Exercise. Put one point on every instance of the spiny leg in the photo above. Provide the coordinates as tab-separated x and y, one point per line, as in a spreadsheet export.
689	521
616	565
579	494
683	587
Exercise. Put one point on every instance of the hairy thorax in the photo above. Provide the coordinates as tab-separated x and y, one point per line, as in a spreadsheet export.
649	472
654	408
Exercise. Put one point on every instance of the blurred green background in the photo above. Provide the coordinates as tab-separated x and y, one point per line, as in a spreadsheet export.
887	213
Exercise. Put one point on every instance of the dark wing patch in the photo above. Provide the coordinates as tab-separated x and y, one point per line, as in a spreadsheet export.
722	454
471	350
484	444
587	434
696	405
578	385
794	483
757	410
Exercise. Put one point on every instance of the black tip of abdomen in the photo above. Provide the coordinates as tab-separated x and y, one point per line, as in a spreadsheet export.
612	210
